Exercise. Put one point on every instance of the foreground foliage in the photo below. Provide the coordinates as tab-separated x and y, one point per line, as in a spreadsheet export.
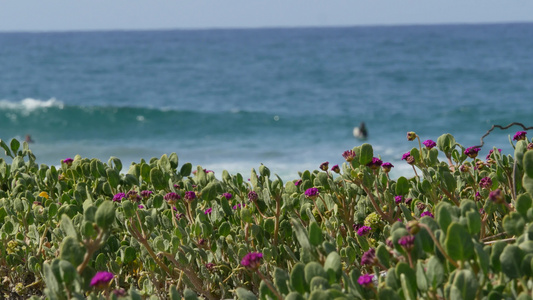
458	229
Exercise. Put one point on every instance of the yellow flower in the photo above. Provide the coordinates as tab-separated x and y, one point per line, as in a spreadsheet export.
44	195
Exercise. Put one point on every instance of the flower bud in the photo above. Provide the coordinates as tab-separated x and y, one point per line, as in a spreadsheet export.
411	136
413	227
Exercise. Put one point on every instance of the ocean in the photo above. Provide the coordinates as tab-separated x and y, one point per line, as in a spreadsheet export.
285	97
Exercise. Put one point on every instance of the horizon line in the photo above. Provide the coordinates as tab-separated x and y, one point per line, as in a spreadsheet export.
214	28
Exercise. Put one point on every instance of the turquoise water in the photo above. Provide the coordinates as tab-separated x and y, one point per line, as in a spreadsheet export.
288	98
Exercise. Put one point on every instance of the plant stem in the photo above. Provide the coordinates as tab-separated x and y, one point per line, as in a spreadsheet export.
453	262
278	295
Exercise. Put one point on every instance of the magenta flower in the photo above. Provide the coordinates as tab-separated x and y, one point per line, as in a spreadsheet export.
408	201
238	205
369	257
298	182
364	230
496	196
366	280
386	167
324	166
146	194
140	206
348	155
375	163
227	196
133	196
407	242
398	199
208	211
210	266
427	213
406	155
311	192
485	183
172	197
101	279
491	151
190	196
252	196
472	152
519	135
252	260
429	144
336	169
68	161
118	197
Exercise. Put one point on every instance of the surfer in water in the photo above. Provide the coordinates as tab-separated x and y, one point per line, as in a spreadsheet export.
360	132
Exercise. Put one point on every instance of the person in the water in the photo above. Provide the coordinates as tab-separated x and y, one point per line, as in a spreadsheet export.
360	132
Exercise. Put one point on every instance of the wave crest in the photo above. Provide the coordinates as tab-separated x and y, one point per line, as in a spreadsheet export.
30	104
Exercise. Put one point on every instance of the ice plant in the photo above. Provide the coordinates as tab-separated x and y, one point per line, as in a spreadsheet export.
252	196
252	260
336	169
101	279
189	196
472	151
324	166
375	163
348	155
146	194
429	144
364	230
398	199
408	158
366	280
118	197
485	183
411	136
172	197
311	192
227	196
386	167
519	135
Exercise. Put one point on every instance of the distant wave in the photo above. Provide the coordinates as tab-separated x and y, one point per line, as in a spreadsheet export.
30	104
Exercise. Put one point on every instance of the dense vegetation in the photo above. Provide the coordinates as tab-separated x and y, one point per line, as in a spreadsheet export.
458	229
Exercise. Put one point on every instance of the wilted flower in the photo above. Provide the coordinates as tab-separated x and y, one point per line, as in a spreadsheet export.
132	195
408	158
61	177
485	183
429	144
519	135
120	293
472	152
348	155
364	230
190	196
407	242
252	260
336	169
252	196
480	164
146	194
209	266
496	196
477	196
366	280
411	136
118	197
172	197
208	211
398	199
179	216
44	195
311	192
427	213
177	186
324	166
101	279
386	167
238	205
298	182
464	168
227	196
420	206
408	201
68	161
375	163
491	151
369	257
530	146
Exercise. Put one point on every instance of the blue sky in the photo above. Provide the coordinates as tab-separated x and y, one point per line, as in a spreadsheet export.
39	15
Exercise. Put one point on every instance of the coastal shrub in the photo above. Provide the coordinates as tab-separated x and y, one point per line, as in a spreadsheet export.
458	229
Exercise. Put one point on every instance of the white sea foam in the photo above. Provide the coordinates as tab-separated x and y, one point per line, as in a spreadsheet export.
30	104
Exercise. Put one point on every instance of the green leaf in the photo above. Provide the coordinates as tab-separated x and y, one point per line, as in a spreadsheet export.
313	269
464	286
15	145
497	250
333	265
402	186
435	272
129	254
482	258
173	159
298	281
72	251
67	226
113	177
528	163
444	215
523	203
189	294
294	296
128	208
407	278
520	148
389	294
473	219
186	170
513	223
383	255
68	272
421	279
6	148
511	259
281	278
158	179
319	295
458	242
527	183
245	294
301	234
315	234
105	214
366	155
445	143
115	163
